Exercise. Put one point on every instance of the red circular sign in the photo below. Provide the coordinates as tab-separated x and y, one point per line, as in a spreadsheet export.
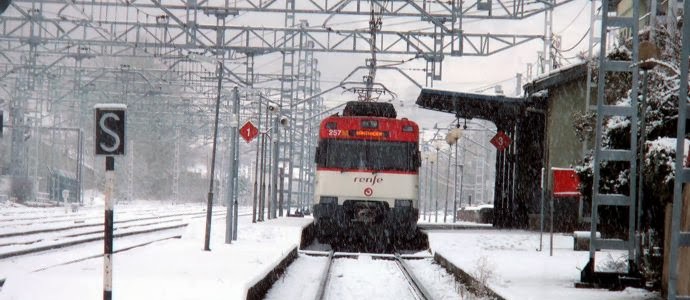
368	192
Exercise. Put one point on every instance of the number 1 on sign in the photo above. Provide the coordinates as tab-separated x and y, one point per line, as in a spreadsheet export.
248	131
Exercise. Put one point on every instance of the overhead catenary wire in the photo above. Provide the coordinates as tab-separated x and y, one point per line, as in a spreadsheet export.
574	19
134	5
577	43
491	85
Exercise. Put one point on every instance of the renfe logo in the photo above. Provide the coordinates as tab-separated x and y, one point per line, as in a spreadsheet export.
372	180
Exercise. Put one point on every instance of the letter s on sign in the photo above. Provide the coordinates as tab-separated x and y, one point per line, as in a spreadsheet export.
107	130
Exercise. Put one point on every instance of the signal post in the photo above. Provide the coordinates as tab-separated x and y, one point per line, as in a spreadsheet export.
110	141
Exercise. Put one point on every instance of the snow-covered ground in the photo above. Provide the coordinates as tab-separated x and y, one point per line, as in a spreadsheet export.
173	269
180	269
512	266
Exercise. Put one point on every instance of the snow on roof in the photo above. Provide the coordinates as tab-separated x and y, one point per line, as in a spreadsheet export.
478	207
556	77
562	69
110	106
585	234
562	169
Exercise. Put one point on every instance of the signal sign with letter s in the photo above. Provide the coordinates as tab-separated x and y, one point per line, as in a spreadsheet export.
110	130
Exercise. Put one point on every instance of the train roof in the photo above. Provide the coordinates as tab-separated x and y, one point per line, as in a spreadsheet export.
369	109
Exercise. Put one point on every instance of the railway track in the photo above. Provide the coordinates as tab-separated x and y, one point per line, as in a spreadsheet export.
57	212
10	242
414	286
347	275
79	224
83	240
36	260
129	234
51	219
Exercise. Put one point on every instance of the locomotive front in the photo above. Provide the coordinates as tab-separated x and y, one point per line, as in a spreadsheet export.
367	180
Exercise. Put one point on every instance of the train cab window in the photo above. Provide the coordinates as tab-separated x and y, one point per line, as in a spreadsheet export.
371	155
370	124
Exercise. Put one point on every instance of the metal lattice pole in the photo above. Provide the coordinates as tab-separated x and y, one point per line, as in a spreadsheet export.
680	237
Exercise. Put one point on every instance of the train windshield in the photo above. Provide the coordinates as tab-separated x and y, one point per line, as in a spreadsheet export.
368	155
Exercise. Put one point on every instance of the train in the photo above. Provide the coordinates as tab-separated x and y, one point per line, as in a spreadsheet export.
367	177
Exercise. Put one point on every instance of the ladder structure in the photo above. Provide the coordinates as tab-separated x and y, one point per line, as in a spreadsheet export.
603	153
303	89
593	38
287	84
680	237
312	130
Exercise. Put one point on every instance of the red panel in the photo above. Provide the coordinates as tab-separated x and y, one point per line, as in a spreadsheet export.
565	183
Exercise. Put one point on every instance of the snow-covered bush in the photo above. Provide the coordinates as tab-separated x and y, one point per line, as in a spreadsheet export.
659	165
484	272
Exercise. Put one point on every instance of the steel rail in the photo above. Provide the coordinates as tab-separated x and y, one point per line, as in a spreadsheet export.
2	280
78	234
415	284
77	216
115	251
86	240
417	288
46	230
83	241
325	278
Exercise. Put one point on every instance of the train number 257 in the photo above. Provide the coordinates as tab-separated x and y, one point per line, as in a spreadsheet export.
334	132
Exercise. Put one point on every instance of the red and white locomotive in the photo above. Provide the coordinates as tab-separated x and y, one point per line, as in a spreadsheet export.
367	179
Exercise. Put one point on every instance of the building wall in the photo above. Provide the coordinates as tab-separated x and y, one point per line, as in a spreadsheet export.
625	9
564	149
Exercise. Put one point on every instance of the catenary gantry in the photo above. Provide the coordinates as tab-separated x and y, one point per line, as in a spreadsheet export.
36	37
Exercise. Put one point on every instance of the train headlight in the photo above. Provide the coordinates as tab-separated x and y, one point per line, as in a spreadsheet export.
403	203
328	200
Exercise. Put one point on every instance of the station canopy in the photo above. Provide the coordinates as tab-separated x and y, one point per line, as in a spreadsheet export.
501	110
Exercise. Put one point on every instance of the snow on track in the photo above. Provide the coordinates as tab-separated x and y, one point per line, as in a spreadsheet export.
300	280
438	282
367	278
